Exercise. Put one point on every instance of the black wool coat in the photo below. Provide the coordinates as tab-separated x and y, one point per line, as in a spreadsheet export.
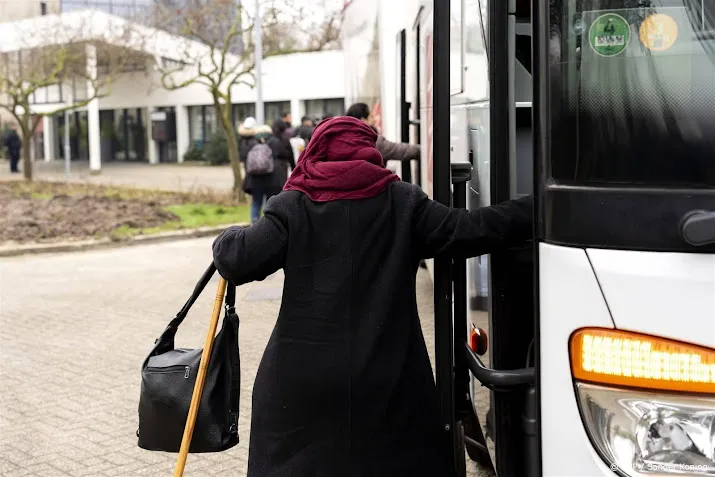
345	386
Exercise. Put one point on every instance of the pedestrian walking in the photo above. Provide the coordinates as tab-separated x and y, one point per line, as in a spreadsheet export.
246	137
345	386
283	154
289	130
391	151
14	147
262	184
305	130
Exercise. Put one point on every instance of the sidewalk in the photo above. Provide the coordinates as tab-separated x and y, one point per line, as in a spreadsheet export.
170	177
74	330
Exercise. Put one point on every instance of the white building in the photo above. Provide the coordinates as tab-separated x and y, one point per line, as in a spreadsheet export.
118	125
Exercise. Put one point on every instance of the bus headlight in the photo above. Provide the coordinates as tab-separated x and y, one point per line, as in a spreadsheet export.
647	429
643	433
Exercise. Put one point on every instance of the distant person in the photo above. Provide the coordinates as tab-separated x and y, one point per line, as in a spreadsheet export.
282	154
345	385
14	146
288	120
255	184
246	137
305	130
261	186
391	151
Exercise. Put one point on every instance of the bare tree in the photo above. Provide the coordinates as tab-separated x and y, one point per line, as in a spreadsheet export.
71	63
291	26
218	52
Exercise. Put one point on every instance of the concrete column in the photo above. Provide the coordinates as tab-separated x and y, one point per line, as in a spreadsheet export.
183	137
296	111
48	138
153	146
95	152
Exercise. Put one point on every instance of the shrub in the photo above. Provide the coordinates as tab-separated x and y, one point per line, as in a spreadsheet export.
194	154
216	151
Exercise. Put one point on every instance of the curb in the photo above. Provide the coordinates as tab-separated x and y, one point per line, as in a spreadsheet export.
104	243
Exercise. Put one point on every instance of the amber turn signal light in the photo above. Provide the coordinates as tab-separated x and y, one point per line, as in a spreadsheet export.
478	341
623	358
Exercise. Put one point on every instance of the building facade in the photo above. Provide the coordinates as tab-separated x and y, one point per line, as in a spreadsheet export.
129	122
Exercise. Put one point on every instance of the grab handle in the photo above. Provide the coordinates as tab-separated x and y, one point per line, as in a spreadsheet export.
698	228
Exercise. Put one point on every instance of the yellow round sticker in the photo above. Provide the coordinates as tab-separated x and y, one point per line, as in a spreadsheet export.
658	32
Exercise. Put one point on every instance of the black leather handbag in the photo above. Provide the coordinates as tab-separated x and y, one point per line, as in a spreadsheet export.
168	377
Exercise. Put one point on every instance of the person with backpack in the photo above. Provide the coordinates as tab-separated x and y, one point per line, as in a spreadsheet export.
246	137
267	160
258	160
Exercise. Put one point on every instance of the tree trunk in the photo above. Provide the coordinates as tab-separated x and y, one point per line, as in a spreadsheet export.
26	157
224	115
232	143
27	128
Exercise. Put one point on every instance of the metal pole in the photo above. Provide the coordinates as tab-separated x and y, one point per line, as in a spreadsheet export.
257	30
443	332
68	149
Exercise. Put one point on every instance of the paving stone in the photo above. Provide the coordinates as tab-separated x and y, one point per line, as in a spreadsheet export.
74	330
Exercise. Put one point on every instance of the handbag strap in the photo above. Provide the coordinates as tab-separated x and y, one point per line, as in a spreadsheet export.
166	340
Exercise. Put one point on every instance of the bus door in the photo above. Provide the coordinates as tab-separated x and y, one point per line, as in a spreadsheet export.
511	272
511	422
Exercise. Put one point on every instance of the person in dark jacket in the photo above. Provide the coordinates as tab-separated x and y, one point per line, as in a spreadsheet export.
391	151
305	130
263	187
345	385
246	137
282	154
14	146
289	130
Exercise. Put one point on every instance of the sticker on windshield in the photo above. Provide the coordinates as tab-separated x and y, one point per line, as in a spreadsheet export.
609	34
658	32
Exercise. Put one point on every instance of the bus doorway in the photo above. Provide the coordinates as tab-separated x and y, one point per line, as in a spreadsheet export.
589	372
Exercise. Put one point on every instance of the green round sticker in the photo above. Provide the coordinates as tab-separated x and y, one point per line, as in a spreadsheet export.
609	34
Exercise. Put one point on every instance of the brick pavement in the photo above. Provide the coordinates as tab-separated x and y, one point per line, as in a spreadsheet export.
74	329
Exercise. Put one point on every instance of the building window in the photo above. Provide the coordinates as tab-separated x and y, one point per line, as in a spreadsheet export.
196	125
243	111
318	108
276	110
209	121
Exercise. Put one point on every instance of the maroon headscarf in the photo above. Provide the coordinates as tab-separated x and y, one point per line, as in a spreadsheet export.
341	162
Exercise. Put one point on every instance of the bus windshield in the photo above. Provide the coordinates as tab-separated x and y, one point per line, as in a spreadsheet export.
632	93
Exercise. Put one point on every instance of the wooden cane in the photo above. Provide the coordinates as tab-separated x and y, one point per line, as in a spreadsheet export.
200	379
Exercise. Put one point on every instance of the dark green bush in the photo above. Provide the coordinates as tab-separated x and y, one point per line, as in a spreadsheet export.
216	150
194	154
